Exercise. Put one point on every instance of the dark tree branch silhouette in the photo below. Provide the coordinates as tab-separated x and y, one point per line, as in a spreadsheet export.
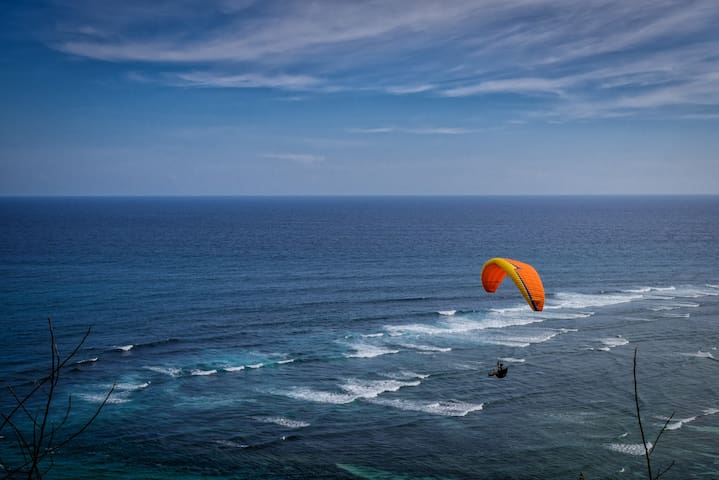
648	447
37	437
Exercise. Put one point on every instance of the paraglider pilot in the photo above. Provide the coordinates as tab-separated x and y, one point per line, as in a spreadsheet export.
500	371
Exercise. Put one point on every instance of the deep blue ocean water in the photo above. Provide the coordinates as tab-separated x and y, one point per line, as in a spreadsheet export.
277	338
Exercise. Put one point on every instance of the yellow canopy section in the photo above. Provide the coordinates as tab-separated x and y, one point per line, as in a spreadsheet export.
524	276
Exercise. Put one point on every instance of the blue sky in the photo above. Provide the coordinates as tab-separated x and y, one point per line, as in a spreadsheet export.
403	97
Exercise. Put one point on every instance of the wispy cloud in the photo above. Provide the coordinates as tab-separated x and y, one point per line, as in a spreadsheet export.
403	90
620	56
513	85
414	131
250	80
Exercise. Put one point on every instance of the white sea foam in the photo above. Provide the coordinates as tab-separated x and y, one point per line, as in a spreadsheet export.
629	448
686	305
234	369
651	289
662	308
171	371
115	397
677	424
305	393
131	387
366	350
88	360
256	365
520	340
202	373
374	388
567	315
513	360
675	315
690	291
405	375
121	393
373	335
674	306
460	324
125	348
452	408
698	354
584	300
282	362
513	311
659	297
283	422
447	313
231	444
353	389
612	342
426	348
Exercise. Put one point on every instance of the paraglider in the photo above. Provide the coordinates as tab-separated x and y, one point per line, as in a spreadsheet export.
524	276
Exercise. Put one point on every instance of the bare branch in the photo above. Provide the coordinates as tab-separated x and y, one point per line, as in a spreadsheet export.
40	422
42	381
23	445
87	424
23	408
22	402
67	412
661	432
639	418
54	378
664	471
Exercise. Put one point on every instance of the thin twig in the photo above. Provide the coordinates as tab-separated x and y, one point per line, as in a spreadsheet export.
41	382
67	413
23	445
639	418
44	429
87	424
22	402
54	378
661	432
24	409
664	471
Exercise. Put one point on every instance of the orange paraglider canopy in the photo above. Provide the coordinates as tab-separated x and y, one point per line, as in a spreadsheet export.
524	276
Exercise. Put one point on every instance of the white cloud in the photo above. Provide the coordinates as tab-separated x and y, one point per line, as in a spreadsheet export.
628	55
402	90
415	131
251	80
531	85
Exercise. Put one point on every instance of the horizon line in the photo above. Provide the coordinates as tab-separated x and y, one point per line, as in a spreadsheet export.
359	195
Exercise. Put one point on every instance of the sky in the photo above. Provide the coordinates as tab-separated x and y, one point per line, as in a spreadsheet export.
334	97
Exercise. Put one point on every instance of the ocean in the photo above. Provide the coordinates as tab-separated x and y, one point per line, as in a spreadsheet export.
350	337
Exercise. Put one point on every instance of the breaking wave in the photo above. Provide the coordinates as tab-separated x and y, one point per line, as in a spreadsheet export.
629	448
449	408
366	350
351	390
283	422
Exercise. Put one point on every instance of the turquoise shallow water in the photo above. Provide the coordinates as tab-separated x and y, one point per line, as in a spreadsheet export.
351	338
